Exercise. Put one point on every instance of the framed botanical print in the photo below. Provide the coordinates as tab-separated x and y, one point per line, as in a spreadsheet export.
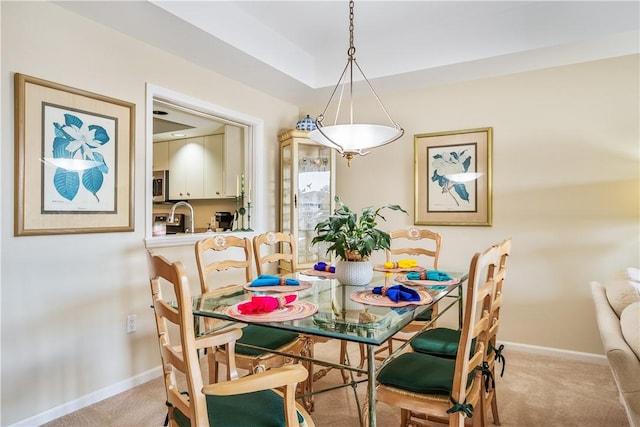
74	160
452	172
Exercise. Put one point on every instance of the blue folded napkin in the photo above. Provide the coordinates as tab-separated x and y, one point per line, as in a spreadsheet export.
438	276
268	280
397	293
323	266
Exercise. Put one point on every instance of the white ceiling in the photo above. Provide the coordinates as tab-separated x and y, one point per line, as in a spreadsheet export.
174	122
296	50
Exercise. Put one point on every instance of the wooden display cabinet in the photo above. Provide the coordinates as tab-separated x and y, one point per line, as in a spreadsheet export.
307	190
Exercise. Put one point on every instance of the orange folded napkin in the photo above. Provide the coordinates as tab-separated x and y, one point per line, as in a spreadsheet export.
265	304
403	263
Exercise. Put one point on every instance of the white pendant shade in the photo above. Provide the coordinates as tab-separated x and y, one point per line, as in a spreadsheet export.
355	138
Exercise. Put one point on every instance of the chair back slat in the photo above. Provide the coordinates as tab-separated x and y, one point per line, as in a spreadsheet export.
499	276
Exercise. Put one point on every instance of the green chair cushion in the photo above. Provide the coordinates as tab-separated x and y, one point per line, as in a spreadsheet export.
261	408
264	337
425	316
441	342
419	373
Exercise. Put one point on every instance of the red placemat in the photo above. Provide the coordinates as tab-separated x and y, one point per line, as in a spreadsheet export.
312	272
278	288
402	278
368	297
292	311
380	267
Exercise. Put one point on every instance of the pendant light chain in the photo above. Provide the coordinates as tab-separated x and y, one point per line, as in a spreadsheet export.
351	52
352	49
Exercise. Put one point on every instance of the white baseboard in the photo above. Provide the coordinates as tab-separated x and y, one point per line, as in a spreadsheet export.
599	359
90	398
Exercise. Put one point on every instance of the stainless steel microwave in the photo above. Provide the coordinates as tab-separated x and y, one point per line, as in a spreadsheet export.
160	186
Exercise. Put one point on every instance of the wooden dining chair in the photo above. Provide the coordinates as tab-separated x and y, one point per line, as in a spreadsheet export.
443	342
275	247
405	243
494	351
424	246
252	400
212	270
222	272
428	387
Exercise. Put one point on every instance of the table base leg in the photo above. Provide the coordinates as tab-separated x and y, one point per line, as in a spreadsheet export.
371	386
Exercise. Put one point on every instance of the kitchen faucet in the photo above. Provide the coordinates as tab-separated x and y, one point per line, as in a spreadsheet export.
173	212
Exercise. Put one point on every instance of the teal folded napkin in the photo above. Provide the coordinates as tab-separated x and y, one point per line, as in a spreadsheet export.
397	293
438	276
268	280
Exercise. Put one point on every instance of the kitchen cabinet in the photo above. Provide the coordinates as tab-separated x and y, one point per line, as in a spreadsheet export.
204	167
233	158
213	166
307	189
195	168
186	168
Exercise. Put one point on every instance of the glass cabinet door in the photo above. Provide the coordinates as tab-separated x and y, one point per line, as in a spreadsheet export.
308	188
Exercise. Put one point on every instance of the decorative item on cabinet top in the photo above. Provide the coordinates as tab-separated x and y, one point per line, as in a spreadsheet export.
306	123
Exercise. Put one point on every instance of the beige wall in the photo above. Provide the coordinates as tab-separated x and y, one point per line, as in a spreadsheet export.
65	298
566	172
566	186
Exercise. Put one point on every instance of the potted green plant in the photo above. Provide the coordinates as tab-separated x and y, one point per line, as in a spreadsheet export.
353	239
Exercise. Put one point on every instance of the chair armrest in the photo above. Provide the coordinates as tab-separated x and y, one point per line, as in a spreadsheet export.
273	378
215	339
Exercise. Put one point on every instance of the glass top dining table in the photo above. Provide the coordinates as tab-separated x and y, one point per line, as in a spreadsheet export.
338	315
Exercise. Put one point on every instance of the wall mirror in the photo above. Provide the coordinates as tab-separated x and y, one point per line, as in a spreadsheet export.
203	154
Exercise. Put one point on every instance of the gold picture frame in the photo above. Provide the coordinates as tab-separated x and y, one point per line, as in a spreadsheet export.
452	177
74	160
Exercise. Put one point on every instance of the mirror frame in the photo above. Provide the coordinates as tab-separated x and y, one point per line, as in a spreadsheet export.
253	152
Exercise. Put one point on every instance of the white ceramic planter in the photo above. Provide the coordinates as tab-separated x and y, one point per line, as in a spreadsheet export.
356	273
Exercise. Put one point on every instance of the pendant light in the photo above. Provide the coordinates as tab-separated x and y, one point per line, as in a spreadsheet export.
350	138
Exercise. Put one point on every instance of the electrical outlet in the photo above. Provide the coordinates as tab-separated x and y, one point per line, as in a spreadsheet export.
131	323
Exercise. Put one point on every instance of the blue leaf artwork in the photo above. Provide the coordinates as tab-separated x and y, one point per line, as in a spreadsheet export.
447	163
66	183
76	141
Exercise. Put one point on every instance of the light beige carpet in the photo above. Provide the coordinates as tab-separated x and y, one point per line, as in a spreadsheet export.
535	391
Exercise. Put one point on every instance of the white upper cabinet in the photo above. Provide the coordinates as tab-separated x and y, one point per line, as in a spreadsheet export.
233	158
186	166
213	166
202	167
